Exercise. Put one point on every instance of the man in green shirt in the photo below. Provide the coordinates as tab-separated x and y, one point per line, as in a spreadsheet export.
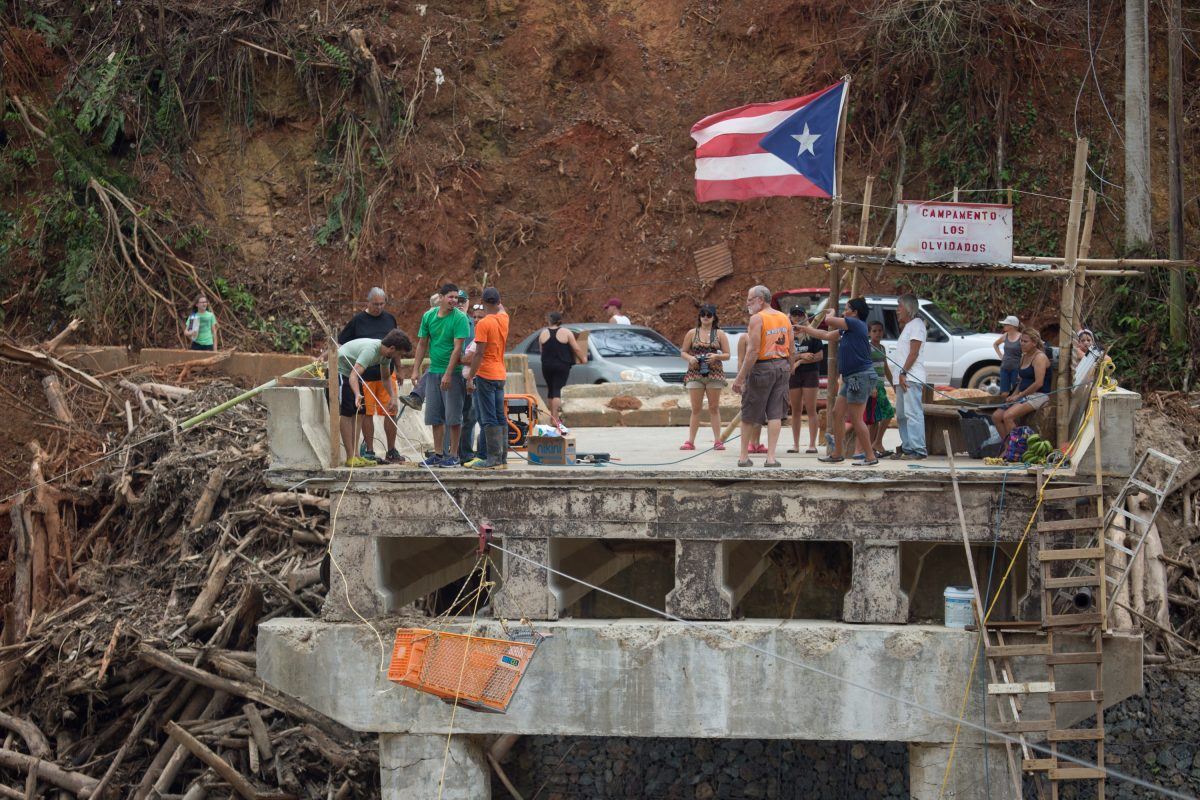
354	358
443	331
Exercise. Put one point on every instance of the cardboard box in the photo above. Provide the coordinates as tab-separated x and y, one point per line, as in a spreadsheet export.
550	450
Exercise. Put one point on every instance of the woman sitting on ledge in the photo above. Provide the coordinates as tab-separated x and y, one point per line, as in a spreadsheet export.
1033	384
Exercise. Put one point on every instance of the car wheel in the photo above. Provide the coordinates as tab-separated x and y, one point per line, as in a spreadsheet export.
987	379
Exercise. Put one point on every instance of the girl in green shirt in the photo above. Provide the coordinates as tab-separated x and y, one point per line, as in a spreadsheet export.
202	326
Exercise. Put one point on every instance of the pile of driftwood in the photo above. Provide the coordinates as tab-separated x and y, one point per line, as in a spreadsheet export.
127	651
1182	632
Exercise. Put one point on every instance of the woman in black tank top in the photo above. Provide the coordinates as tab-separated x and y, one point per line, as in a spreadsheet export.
1033	387
560	350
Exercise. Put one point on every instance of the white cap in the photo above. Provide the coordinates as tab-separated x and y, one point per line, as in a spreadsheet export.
1011	320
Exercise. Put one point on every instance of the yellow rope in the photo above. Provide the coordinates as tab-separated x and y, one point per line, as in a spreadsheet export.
1104	385
458	688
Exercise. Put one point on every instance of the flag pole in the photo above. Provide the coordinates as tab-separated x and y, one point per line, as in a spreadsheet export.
835	267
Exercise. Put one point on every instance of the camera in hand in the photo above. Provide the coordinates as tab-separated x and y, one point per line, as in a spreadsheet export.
704	368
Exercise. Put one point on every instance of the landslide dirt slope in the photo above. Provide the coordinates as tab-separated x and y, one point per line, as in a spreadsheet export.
544	145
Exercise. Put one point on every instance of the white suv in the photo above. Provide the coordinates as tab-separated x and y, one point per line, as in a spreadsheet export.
954	354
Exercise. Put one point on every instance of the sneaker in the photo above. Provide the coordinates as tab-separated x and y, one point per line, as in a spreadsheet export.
393	457
450	461
413	401
362	449
434	460
369	455
474	462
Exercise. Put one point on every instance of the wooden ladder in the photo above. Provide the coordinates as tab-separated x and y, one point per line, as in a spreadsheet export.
1081	584
1072	565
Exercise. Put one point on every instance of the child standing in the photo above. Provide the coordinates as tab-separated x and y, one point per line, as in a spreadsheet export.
879	412
202	326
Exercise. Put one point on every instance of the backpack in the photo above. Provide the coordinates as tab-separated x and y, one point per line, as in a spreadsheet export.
1017	441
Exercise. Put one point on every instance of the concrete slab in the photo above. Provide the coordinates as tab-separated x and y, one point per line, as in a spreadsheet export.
639	678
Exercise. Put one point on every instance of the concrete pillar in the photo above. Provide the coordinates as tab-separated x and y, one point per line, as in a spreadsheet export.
968	779
875	594
353	576
525	588
423	767
700	584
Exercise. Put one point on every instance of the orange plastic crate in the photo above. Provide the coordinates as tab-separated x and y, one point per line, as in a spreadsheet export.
479	672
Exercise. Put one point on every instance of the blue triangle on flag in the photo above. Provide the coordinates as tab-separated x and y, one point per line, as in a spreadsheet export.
807	140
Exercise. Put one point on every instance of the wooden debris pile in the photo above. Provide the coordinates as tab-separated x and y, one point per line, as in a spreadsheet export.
1170	422
127	650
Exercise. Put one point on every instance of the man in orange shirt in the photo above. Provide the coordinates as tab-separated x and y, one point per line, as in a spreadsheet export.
485	378
762	378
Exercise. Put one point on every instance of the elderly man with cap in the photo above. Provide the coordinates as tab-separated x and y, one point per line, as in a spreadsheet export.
485	377
612	310
373	322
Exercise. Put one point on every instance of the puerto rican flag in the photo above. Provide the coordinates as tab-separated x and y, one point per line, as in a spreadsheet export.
782	149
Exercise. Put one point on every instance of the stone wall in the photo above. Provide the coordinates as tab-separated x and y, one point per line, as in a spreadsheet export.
704	769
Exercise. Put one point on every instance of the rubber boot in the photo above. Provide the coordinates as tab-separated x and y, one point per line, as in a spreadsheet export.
494	435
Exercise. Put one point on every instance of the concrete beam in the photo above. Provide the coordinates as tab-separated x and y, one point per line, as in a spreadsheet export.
638	678
412	568
812	507
591	560
747	562
416	766
875	594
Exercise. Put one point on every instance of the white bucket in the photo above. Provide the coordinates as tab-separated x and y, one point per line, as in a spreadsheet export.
959	613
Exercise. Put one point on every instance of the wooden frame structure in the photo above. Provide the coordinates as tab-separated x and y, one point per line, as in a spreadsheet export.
1073	268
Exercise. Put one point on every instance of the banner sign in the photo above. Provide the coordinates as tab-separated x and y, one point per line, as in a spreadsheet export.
958	233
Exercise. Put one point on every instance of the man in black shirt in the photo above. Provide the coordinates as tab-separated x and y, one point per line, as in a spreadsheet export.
374	323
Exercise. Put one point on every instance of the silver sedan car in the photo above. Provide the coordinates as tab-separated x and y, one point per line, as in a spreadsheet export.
616	354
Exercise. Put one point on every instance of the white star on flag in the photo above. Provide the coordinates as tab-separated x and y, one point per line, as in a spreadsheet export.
806	140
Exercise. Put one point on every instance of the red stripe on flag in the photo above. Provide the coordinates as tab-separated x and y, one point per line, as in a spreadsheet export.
731	144
750	188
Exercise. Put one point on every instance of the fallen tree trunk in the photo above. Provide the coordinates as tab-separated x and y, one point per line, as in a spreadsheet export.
31	734
77	784
264	696
57	400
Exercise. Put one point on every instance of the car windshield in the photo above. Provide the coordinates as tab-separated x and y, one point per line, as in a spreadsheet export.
952	325
631	343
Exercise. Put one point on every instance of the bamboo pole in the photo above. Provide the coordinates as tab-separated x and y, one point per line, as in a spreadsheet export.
864	223
1115	263
331	384
244	396
835	268
1066	316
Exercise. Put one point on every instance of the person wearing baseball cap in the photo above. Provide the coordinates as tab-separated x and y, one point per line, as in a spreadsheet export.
1008	350
612	310
485	376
